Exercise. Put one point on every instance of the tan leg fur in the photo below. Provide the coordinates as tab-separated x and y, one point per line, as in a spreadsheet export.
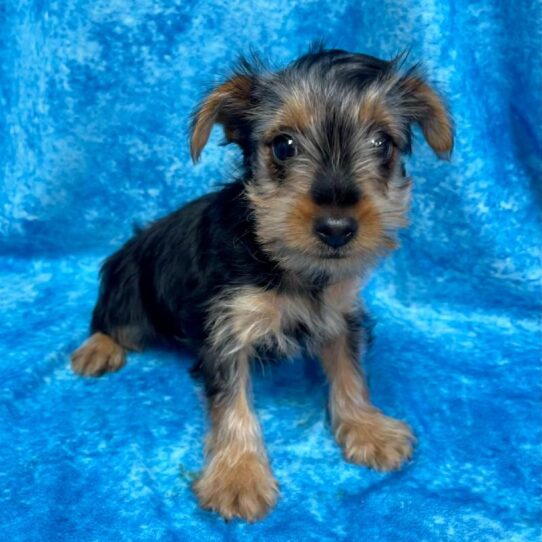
237	480
98	355
366	435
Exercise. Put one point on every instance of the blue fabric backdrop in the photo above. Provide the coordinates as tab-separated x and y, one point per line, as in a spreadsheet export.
94	102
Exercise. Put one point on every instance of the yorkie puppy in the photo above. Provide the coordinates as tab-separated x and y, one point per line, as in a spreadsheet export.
273	262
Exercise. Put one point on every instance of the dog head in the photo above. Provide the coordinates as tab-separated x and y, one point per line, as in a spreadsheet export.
322	142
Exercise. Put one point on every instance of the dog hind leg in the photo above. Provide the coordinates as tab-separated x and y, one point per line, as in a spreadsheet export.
119	320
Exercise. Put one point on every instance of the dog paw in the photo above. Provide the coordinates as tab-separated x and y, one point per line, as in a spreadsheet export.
375	440
98	355
244	488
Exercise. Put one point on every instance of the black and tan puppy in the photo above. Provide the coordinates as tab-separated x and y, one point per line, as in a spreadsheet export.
273	261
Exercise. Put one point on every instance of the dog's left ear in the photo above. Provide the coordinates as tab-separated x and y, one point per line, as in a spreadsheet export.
421	104
226	104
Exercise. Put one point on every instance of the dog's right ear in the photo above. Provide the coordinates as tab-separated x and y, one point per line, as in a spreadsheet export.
226	104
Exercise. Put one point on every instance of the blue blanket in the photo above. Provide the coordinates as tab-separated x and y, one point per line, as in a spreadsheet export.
94	104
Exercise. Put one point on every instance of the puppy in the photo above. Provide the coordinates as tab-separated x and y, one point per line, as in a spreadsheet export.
273	261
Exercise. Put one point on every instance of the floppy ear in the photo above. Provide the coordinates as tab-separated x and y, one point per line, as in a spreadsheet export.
424	106
227	104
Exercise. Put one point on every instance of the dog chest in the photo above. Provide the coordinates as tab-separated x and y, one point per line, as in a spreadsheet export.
249	317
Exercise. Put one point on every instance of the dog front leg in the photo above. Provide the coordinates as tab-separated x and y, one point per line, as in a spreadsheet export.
366	435
237	479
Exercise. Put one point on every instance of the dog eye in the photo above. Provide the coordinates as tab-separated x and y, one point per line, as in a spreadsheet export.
284	147
383	145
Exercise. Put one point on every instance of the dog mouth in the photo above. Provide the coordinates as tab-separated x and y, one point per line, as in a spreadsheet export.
330	254
325	252
333	256
314	256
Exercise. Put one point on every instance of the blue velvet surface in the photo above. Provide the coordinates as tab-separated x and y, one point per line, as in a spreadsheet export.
94	104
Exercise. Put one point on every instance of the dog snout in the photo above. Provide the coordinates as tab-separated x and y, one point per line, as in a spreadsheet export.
335	231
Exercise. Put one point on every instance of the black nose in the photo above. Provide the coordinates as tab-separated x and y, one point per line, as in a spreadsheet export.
335	232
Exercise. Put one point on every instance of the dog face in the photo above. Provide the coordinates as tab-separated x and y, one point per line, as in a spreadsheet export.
322	141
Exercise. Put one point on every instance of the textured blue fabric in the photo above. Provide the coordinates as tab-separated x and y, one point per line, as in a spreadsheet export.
94	105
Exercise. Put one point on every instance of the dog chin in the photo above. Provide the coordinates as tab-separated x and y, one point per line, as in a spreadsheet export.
339	265
307	265
333	256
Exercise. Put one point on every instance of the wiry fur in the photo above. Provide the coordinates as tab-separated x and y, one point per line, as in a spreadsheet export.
245	269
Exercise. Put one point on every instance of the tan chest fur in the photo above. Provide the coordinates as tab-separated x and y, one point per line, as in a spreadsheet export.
248	317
